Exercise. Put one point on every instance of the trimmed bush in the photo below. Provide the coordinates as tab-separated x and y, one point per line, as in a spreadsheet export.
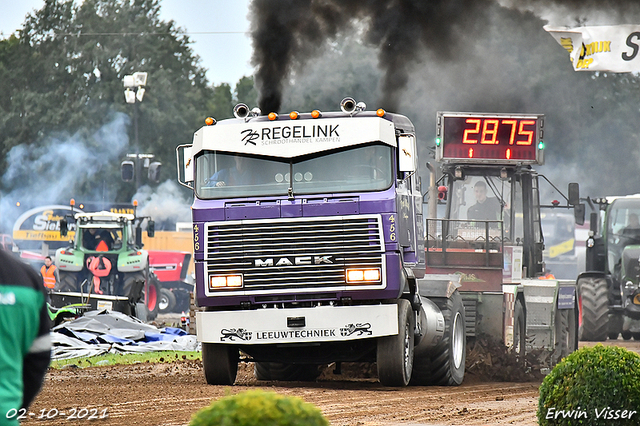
257	407
592	386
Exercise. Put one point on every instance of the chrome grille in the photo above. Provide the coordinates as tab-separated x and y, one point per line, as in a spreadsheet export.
294	253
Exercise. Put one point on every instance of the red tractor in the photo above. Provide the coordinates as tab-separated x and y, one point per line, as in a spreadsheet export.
176	285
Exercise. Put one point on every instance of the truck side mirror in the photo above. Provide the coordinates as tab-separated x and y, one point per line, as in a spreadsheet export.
574	194
407	153
64	228
151	229
185	165
578	213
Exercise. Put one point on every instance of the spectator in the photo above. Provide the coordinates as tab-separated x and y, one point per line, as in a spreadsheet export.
50	274
25	345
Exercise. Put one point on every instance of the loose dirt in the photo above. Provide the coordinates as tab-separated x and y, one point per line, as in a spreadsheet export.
168	394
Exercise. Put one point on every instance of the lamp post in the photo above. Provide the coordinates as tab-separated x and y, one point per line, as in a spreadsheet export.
133	94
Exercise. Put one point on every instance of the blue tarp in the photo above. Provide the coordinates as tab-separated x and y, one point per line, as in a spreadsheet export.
103	331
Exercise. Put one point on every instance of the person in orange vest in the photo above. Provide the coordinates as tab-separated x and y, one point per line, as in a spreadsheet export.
50	274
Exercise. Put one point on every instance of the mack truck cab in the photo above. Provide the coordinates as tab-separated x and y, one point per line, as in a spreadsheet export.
105	266
309	248
491	232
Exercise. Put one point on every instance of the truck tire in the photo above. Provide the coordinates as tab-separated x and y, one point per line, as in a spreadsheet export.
566	338
68	282
594	300
615	326
286	372
395	353
446	364
220	363
166	301
519	332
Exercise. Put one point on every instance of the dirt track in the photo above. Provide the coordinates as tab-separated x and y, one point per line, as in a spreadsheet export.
167	394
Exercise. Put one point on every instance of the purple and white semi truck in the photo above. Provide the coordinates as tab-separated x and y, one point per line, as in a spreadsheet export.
309	249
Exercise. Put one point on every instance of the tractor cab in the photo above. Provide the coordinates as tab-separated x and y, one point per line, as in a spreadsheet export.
622	235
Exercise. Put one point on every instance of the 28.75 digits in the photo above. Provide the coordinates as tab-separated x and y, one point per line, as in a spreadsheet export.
521	132
52	413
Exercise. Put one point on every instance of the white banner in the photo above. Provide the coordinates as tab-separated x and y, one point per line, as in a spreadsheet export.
613	48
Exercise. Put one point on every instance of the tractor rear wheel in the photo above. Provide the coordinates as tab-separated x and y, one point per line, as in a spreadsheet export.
594	302
151	299
68	282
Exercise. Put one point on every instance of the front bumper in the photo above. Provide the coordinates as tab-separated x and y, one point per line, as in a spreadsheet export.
297	325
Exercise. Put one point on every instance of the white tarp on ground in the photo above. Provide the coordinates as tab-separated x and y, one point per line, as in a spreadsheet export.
614	48
103	331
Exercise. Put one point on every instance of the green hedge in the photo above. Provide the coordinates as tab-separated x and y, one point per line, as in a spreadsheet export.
592	386
257	407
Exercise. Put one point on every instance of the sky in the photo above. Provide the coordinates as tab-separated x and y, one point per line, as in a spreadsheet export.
226	55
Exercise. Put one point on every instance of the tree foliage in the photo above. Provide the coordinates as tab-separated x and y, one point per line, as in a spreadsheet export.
62	78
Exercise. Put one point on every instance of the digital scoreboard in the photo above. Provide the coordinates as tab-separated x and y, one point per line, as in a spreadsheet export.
489	138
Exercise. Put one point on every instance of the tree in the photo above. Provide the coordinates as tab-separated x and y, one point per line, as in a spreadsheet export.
246	92
63	76
220	105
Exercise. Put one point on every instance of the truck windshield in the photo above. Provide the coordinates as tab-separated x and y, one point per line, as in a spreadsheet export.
354	169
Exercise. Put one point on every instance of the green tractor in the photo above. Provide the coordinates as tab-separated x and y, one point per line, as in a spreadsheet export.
105	265
608	290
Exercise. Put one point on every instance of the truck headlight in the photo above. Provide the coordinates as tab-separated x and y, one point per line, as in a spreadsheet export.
356	276
217	282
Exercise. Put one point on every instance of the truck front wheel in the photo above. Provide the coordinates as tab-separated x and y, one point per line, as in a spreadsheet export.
395	353
594	303
220	363
445	365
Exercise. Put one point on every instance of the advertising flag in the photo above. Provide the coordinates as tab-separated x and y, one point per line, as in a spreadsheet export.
612	48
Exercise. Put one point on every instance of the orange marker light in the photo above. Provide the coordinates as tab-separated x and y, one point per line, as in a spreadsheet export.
273	116
135	203
315	113
380	112
72	202
209	121
293	115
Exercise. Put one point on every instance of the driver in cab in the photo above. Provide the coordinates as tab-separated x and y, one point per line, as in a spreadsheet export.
485	208
632	230
239	174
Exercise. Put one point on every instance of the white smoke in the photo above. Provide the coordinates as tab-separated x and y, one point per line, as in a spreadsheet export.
54	171
165	204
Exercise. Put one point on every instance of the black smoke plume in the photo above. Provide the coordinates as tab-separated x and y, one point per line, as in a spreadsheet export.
287	33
